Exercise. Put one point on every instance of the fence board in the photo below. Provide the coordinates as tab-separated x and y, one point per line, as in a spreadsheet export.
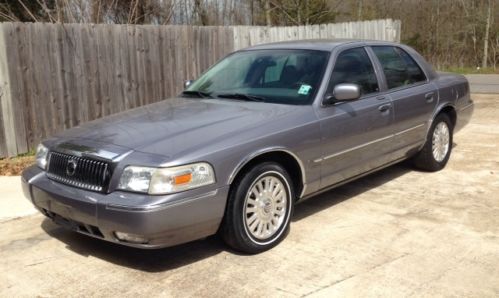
9	146
54	76
17	90
3	145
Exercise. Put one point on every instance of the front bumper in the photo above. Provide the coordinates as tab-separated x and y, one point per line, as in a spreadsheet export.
179	218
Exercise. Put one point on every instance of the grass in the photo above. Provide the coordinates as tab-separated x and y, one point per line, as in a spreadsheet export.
13	166
471	70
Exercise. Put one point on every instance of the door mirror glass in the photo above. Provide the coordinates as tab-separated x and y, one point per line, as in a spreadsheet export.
343	92
188	83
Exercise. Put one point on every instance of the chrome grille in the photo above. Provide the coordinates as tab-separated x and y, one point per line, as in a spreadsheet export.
78	171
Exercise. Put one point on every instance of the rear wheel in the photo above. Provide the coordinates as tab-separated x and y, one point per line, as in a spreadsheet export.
259	209
437	149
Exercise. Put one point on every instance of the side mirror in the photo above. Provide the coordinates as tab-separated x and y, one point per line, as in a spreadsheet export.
188	83
343	92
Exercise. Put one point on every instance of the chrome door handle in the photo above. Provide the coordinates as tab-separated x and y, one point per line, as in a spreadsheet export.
385	107
429	97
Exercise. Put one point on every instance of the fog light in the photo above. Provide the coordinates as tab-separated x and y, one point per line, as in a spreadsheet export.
131	238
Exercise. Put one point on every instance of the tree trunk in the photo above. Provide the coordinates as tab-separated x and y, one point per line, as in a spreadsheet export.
268	21
200	10
298	12
486	38
307	13
95	11
252	8
359	10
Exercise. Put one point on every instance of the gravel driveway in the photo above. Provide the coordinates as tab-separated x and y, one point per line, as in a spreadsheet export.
398	232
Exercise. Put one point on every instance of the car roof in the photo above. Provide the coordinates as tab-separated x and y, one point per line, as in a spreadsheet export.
316	44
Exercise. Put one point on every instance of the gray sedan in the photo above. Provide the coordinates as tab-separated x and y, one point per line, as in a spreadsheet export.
263	129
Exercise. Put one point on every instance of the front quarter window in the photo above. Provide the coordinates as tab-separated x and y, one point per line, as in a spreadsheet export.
275	76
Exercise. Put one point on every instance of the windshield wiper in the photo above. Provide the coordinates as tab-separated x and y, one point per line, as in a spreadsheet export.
242	96
197	93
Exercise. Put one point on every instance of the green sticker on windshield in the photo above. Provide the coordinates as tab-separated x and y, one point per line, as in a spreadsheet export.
304	89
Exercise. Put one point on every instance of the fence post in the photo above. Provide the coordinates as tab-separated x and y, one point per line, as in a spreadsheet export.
7	128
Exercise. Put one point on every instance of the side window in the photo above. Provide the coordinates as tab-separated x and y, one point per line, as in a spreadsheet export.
399	67
354	67
416	74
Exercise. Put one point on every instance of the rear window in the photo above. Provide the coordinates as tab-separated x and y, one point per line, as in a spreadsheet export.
399	67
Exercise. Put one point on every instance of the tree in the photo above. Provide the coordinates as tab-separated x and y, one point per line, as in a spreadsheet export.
25	11
487	34
447	32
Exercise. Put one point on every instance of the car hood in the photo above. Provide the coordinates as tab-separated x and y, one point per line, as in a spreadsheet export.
177	124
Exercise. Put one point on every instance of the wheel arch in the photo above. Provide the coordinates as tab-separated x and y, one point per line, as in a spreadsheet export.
451	112
448	109
290	161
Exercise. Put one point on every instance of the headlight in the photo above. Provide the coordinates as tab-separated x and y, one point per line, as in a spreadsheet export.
41	156
166	180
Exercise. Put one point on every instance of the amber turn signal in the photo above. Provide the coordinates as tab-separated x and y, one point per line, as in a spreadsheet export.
186	178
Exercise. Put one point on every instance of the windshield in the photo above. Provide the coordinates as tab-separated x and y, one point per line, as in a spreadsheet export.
276	76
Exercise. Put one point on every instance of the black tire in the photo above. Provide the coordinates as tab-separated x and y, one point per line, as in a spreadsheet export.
234	229
425	159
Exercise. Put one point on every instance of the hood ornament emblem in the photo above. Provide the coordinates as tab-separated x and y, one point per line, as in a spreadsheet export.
71	167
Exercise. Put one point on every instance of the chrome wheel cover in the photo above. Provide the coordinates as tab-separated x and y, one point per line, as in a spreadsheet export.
266	206
440	141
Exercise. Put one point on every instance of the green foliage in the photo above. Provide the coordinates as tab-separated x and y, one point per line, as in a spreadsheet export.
32	152
414	40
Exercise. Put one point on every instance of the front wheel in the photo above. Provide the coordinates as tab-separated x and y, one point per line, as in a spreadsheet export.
437	149
259	209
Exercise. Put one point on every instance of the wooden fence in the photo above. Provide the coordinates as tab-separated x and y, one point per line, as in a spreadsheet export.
53	76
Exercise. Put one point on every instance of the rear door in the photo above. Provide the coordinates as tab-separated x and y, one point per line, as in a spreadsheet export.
413	96
356	134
